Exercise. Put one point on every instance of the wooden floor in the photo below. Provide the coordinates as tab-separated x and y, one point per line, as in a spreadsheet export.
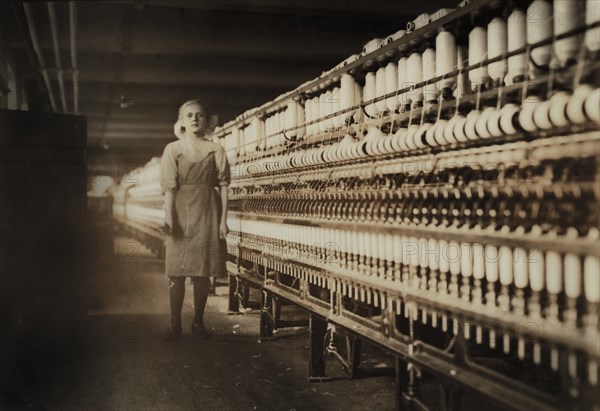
116	360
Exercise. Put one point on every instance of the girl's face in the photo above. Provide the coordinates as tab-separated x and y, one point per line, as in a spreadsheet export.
194	119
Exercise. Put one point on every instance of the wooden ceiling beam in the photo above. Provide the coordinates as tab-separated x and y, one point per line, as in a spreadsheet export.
263	32
99	92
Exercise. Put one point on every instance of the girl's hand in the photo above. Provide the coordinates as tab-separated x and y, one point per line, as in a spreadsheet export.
223	230
167	227
169	220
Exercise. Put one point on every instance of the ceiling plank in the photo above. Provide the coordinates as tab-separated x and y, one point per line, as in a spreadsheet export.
178	31
215	97
342	8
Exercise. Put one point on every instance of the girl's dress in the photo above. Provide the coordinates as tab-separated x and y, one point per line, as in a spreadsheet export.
193	170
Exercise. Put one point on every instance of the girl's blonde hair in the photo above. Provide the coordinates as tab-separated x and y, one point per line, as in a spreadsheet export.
212	120
189	102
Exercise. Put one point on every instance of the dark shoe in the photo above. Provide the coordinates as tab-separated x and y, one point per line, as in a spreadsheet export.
199	331
172	334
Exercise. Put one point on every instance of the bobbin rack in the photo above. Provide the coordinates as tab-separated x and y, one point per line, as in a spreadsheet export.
436	194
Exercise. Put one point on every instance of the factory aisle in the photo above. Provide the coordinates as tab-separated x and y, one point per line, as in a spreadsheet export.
123	364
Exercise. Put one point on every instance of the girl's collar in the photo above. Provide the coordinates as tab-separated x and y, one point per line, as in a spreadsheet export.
196	149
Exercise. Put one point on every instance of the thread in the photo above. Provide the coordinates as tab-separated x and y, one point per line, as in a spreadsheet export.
462	81
335	104
235	140
592	105
477	53
398	142
301	132
430	92
592	15
327	110
536	260
402	80
347	98
414	75
448	132
458	130
443	253
497	45
540	27
380	89
493	123
491	263
291	118
481	126
520	267
568	15
470	123
276	128
358	95
558	106
430	134
439	132
541	115
510	113
591	280
506	265
517	39
255	134
261	136
554	272
391	85
369	93
316	111
478	262
269	131
575	108
466	258
573	277
526	115
445	59
308	115
243	146
419	134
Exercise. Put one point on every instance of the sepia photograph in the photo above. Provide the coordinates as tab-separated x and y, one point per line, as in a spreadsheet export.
230	205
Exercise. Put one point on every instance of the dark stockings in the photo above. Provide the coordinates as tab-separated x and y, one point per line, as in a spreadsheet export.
201	289
177	293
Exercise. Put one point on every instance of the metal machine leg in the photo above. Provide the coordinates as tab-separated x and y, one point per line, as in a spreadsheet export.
316	351
266	321
246	294
450	398
401	383
354	350
408	388
234	304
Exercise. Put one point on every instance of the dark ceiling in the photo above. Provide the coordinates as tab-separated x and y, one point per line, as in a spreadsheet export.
138	60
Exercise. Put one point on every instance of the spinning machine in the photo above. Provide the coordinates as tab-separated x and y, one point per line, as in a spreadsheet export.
138	206
437	195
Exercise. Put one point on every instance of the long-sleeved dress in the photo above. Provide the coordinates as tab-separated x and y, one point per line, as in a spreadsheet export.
192	170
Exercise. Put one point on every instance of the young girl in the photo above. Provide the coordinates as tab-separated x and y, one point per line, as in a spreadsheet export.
192	169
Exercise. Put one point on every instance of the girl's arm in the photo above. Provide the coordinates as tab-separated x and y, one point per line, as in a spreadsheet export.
169	206
223	230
